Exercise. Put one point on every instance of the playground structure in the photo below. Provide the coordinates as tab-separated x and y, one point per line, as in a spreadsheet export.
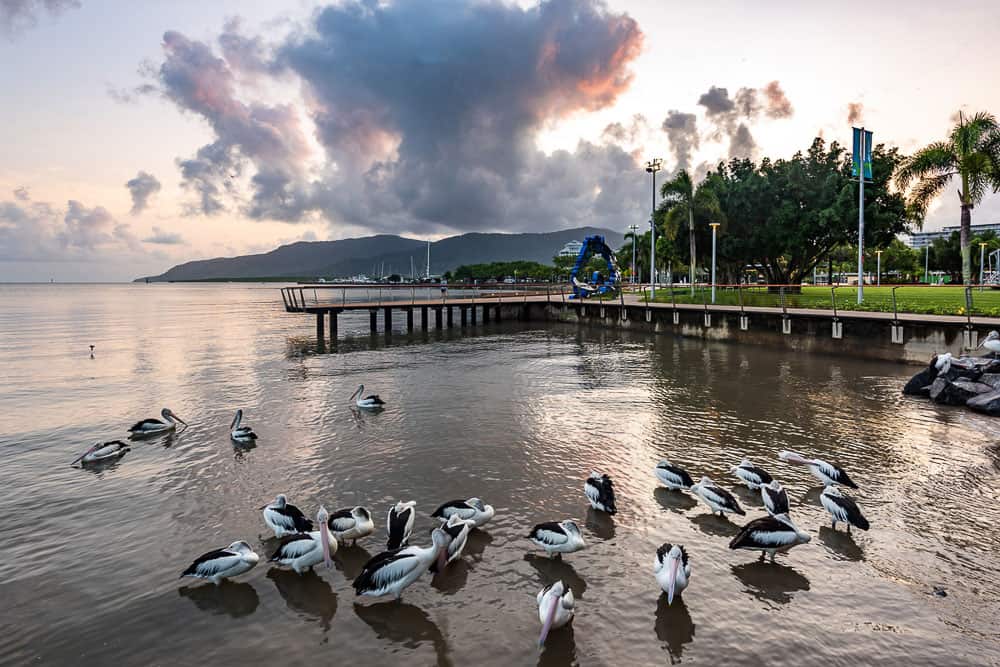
597	284
991	272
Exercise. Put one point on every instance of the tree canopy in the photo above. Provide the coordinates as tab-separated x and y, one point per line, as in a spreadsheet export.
524	270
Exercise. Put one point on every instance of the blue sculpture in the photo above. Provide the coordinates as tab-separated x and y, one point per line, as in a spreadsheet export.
599	284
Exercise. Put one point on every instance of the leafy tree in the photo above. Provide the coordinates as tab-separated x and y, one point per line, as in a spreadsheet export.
971	153
946	255
897	258
684	213
523	270
624	254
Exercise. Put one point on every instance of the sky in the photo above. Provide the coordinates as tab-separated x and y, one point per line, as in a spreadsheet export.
138	136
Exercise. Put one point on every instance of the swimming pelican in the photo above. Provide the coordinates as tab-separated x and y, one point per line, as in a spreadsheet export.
221	564
751	475
392	571
472	509
457	530
825	472
774	497
102	451
991	342
672	569
555	608
150	427
672	477
351	523
284	518
559	538
769	534
241	434
370	401
400	524
600	492
301	551
717	498
843	508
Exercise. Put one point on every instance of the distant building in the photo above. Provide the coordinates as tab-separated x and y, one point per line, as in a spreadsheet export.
924	239
571	249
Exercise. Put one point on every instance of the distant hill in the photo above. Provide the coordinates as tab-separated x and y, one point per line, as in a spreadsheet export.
350	257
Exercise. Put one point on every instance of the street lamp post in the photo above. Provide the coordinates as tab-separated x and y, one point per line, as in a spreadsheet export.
982	253
927	259
715	228
633	227
652	167
878	268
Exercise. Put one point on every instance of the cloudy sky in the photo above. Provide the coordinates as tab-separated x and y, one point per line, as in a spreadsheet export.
134	139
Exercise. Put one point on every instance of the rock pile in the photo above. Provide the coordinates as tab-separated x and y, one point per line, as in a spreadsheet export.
970	381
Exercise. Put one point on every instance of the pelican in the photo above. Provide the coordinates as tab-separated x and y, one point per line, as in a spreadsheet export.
400	524
991	342
557	538
718	499
392	571
825	472
241	434
150	427
300	551
100	452
774	497
351	523
751	475
457	530
600	492
942	362
370	401
769	534
672	569
672	477
472	509
555	608
221	564
843	508
284	518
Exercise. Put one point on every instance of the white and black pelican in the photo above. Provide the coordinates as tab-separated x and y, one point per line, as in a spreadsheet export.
672	477
753	476
370	401
672	569
769	535
825	472
991	342
843	508
351	523
942	362
600	492
392	571
399	525
303	550
284	518
457	529
555	608
472	509
559	538
717	498
774	497
100	452
221	564
241	434
147	428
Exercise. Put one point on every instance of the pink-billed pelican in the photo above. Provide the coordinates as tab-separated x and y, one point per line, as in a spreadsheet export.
301	551
457	530
392	571
371	401
225	563
285	518
825	472
600	492
555	608
351	523
100	452
769	535
472	509
672	477
241	434
559	538
148	428
399	524
843	508
717	498
753	476
775	498
672	569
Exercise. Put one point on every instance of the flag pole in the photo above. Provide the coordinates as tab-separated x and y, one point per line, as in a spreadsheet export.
861	219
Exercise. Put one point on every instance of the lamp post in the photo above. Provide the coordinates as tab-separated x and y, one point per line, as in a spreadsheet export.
878	268
715	228
652	167
982	253
927	258
633	227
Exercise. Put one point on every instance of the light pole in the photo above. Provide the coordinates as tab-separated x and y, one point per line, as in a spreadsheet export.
633	227
652	167
878	268
982	253
715	228
927	258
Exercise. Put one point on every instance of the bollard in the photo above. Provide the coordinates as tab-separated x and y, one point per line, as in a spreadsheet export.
786	325
838	329
677	317
744	323
708	320
897	334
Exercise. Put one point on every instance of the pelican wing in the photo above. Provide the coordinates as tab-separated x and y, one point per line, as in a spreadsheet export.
838	475
146	425
400	525
754	474
766	532
341	520
550	533
775	501
212	563
461	507
675	475
294	546
845	509
722	497
298	519
383	569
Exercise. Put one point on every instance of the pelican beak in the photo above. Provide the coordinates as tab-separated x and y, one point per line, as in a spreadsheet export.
674	566
324	536
548	622
793	457
178	418
262	507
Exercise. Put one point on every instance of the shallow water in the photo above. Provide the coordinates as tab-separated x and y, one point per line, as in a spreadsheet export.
515	413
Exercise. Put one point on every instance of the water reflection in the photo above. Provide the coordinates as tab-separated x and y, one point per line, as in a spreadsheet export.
307	593
404	624
747	497
453	578
476	543
235	599
601	524
811	496
351	560
100	467
560	647
674	626
675	501
715	525
770	581
841	543
551	570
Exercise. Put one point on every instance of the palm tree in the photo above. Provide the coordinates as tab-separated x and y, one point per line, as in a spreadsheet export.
972	153
682	201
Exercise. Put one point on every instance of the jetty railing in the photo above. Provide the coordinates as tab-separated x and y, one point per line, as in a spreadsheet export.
306	298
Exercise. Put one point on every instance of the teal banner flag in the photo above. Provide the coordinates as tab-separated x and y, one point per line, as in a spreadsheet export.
868	156
862	153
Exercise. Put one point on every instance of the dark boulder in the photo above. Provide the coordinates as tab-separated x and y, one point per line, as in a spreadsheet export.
988	403
917	386
992	379
956	392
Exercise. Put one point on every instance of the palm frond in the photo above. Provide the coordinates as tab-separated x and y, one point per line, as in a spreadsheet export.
931	160
925	191
678	188
968	135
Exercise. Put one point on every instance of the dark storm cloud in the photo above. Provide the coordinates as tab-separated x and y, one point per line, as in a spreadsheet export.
163	237
682	132
731	115
19	15
142	187
855	112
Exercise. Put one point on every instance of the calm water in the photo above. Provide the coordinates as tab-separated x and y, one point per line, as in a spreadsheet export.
516	414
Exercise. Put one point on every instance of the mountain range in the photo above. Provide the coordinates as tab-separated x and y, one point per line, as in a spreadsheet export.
384	253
